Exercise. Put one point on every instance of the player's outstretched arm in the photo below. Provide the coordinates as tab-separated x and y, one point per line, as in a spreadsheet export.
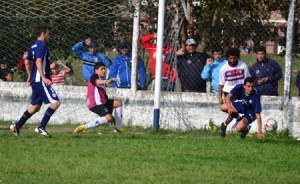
260	134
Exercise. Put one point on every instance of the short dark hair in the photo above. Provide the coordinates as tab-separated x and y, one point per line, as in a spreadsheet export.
41	29
260	49
232	52
98	65
249	79
217	49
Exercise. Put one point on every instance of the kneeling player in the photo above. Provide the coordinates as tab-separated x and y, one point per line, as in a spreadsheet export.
98	102
247	102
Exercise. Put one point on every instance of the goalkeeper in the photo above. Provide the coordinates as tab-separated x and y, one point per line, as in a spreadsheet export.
98	102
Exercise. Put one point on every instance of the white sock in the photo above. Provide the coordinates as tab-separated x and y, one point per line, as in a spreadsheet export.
97	122
118	117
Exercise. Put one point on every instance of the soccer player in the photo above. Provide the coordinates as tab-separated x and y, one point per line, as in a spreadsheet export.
247	102
98	102
40	82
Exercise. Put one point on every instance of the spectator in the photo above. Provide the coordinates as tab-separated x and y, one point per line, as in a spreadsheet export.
121	68
231	73
8	76
266	73
21	67
212	68
249	105
70	77
168	73
57	76
190	64
90	57
298	81
3	68
249	44
99	103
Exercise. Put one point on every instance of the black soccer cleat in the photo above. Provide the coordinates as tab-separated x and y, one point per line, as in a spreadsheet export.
223	130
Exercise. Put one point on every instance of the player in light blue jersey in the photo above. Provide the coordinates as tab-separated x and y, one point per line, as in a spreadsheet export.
40	82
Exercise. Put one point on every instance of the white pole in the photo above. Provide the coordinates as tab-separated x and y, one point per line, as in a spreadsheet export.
159	49
288	64
135	40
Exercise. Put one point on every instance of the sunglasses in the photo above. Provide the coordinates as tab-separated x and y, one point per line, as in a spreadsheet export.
53	68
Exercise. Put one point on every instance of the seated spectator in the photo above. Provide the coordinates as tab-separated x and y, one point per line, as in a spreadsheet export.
57	76
90	57
8	76
266	73
121	68
212	68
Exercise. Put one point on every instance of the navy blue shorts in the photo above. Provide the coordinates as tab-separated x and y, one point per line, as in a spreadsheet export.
104	109
42	93
241	108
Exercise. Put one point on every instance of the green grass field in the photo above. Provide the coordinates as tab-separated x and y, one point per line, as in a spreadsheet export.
142	156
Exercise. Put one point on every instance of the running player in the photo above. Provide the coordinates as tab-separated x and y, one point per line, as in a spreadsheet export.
40	82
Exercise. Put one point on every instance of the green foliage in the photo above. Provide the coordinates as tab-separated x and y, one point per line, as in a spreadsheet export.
101	156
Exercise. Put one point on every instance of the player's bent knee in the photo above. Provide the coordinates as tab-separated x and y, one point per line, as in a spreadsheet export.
55	105
117	103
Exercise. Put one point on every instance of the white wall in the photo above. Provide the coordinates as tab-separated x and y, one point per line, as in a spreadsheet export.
178	110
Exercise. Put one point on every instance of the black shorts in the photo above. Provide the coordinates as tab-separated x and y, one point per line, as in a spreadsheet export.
103	110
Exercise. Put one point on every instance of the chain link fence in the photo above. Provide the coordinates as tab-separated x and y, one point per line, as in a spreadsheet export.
211	23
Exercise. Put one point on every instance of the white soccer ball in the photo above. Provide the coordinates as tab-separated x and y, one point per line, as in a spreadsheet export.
271	124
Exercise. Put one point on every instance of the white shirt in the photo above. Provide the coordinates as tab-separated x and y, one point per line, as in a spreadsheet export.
229	76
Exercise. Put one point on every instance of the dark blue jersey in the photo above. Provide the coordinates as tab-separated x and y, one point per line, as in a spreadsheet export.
39	50
251	101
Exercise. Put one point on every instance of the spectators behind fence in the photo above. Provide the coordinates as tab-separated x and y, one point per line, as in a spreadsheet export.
8	75
90	57
58	76
266	73
212	68
190	64
168	72
120	70
21	69
3	68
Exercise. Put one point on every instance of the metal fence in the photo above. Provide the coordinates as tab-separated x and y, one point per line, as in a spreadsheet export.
109	22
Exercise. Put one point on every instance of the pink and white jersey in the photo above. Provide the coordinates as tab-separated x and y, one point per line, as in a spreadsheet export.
96	94
59	78
229	76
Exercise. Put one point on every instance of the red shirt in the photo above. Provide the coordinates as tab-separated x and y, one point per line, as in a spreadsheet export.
167	70
59	78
